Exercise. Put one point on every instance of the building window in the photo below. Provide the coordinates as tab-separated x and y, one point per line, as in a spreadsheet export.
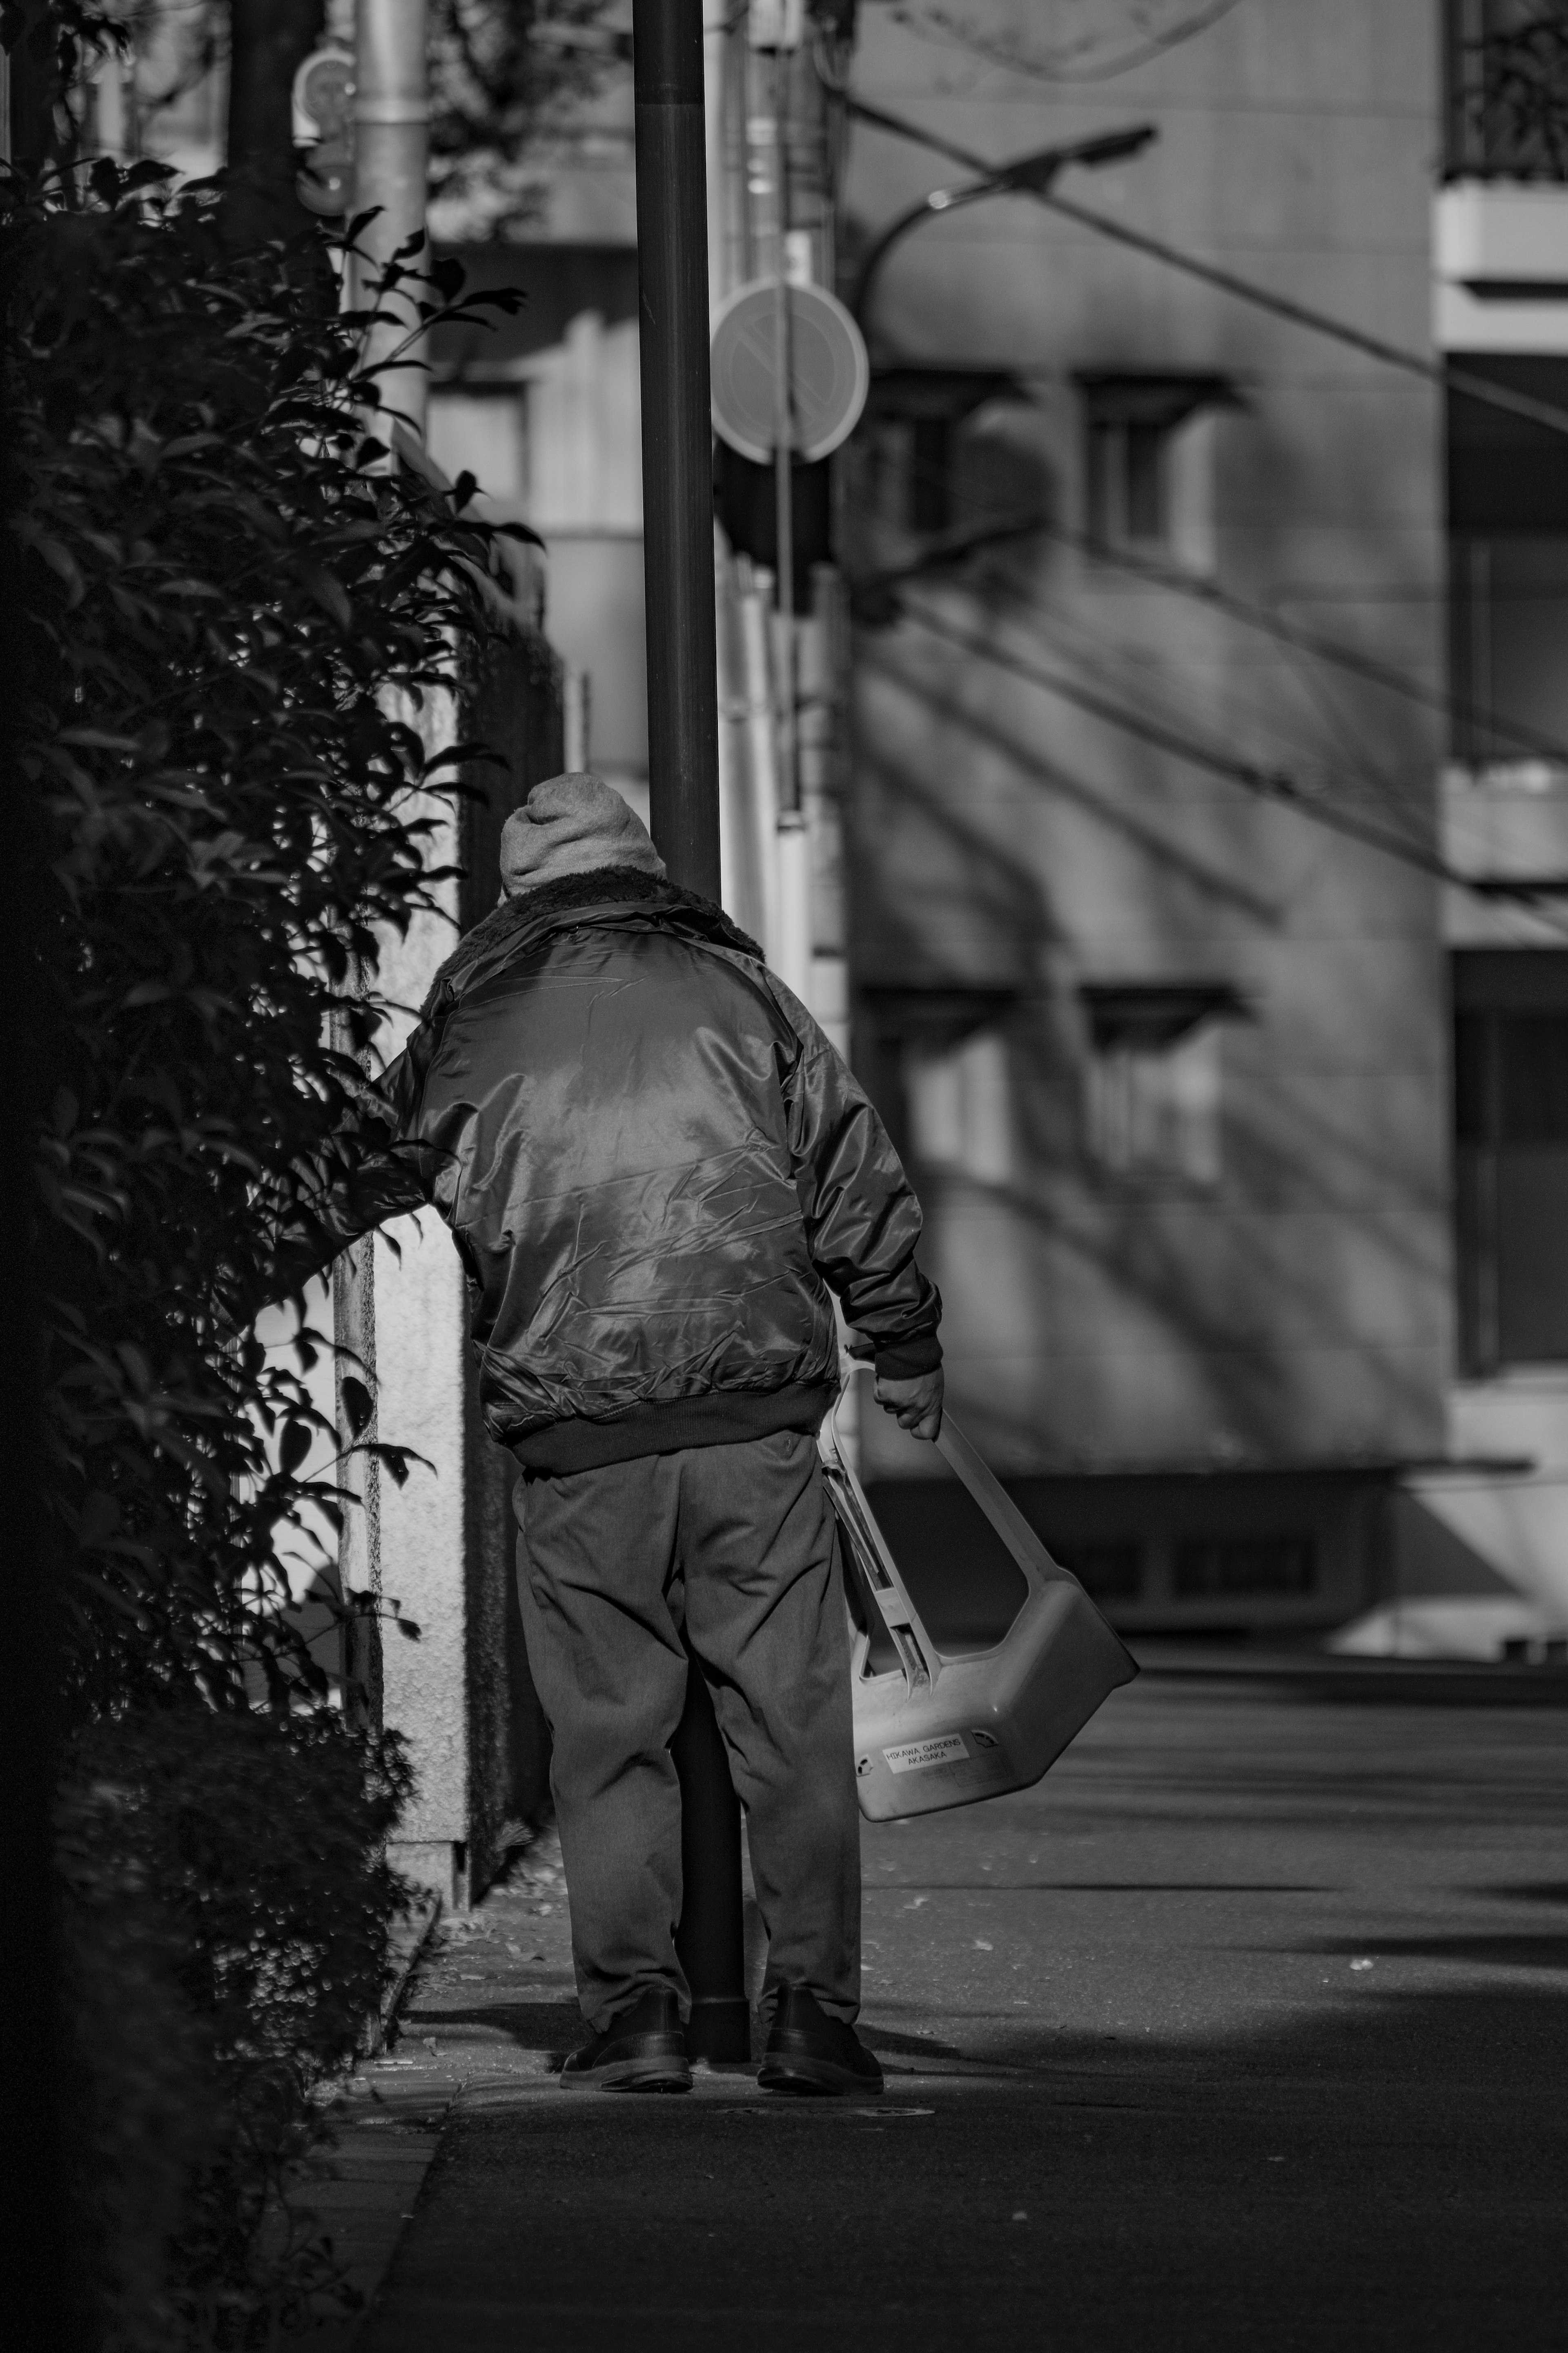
1155	1081
1111	1571
1508	566
930	473
1237	1568
960	1106
1128	499
1133	425
928	480
1509	611
483	433
1510	1117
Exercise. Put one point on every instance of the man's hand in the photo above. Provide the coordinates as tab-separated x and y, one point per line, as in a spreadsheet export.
917	1403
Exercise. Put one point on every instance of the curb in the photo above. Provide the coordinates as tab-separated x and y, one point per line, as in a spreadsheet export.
409	1942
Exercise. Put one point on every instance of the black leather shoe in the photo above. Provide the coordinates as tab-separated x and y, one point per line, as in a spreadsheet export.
809	2052
642	2050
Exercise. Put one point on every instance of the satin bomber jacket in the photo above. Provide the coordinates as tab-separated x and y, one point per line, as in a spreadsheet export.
655	1168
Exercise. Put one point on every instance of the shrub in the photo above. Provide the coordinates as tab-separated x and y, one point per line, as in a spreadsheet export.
227	1909
240	621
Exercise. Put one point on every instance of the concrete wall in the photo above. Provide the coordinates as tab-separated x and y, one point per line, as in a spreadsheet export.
1289	1304
439	1544
419	1527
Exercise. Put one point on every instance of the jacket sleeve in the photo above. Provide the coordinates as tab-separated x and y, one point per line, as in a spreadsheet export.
862	1219
374	1171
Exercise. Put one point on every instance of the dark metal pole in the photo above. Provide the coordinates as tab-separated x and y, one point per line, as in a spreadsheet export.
677	440
683	801
710	1939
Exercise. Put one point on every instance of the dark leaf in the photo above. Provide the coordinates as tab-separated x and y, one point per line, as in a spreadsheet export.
358	1405
329	592
293	1446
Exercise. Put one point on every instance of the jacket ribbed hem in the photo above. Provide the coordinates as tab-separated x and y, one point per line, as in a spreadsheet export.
906	1360
722	1417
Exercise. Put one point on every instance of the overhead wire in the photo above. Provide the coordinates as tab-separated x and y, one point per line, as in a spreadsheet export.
1276	785
1323	774
1245	290
1319	766
1304	799
956	33
1265	619
1387	790
1349	744
1272	783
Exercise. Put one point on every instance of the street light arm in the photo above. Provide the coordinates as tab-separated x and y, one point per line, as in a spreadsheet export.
1027	175
1035	174
940	200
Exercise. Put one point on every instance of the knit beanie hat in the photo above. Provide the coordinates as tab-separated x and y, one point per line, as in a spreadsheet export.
571	825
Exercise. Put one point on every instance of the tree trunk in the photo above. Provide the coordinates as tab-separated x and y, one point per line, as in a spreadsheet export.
36	87
268	41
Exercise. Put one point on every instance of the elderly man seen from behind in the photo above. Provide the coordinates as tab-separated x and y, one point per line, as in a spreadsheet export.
658	1171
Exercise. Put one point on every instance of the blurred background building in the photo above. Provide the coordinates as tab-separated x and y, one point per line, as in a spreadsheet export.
1163	1034
1189	648
1182	731
1242	1138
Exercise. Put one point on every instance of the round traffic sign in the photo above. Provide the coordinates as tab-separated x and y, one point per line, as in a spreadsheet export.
829	372
324	89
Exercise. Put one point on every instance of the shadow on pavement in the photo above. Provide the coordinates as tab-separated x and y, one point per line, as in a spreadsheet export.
1360	1682
553	2026
913	2046
1511	1952
1206	2132
556	2026
1383	2173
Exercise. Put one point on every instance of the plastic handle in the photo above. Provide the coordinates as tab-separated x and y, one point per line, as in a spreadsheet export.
919	1659
918	1655
1038	1568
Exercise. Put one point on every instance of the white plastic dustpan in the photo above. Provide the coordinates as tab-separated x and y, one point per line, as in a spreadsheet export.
938	1730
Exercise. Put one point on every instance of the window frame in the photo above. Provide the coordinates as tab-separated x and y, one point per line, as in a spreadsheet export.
1491	989
1124	413
1154	1038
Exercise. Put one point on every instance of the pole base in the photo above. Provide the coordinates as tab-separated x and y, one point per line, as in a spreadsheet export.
720	2029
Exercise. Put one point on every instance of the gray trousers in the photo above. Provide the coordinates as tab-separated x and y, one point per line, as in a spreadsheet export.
736	1545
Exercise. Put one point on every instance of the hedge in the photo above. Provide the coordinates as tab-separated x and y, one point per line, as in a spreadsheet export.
239	616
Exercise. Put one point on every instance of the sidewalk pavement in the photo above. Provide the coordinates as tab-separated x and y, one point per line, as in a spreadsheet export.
1245	2028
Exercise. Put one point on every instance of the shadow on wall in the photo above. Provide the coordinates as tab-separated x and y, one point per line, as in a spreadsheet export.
1199	1297
950	931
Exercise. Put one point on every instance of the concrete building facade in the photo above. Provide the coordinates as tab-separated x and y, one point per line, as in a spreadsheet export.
1190	649
1165	1038
1152	967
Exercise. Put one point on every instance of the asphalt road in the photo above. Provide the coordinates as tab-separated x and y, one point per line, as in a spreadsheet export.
1246	2028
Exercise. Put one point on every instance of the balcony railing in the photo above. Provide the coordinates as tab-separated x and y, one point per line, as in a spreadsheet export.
1506	89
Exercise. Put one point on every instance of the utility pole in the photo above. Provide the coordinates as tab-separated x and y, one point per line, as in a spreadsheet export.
783	440
392	150
268	41
778	27
677	440
683	805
